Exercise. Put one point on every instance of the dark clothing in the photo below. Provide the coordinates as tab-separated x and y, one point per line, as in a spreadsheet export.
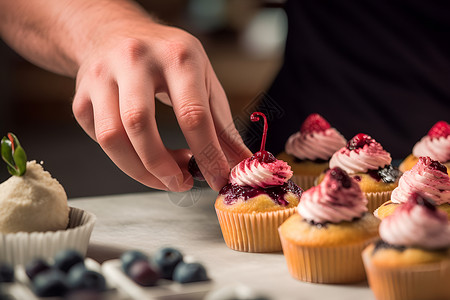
377	67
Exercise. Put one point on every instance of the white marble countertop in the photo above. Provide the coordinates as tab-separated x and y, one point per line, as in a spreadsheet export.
188	221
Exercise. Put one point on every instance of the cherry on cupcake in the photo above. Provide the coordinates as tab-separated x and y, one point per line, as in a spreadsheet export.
440	129
314	123
262	155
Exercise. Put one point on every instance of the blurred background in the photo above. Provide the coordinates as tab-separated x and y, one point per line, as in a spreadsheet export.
243	39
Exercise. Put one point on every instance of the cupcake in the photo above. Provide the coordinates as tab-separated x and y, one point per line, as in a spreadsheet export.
308	151
436	145
257	199
428	178
365	160
323	242
35	218
412	260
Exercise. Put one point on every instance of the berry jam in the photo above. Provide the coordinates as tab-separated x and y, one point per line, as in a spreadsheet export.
325	224
383	245
359	141
438	166
388	174
340	176
233	192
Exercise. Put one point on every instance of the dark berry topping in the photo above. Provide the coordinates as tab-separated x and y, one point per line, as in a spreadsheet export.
264	157
233	192
194	170
359	141
341	176
380	244
440	129
438	166
314	123
389	174
417	199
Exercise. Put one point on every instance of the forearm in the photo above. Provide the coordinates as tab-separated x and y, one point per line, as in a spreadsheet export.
57	34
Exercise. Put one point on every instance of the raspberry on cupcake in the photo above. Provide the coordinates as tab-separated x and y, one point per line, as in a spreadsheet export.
412	259
324	241
309	150
257	199
365	160
427	178
436	145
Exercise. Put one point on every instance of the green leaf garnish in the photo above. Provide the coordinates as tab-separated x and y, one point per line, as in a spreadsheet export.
14	155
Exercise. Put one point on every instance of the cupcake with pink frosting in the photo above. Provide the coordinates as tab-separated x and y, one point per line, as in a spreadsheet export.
436	145
365	160
323	242
258	198
428	178
412	259
309	150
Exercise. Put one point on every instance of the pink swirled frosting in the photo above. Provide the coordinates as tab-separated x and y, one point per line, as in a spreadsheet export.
337	198
417	223
361	154
427	178
261	170
436	148
315	145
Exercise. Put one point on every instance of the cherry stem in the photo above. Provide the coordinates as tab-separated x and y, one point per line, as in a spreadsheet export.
10	137
254	118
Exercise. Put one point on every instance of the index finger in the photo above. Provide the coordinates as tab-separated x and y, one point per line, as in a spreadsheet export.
191	106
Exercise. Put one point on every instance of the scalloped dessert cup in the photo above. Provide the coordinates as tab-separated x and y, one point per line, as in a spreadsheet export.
415	282
304	181
331	264
21	247
253	232
375	200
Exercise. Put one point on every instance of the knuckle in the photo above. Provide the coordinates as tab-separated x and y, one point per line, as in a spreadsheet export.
132	50
98	71
192	116
182	51
107	136
135	120
80	108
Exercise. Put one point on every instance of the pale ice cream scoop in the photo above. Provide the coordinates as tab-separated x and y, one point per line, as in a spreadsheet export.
33	202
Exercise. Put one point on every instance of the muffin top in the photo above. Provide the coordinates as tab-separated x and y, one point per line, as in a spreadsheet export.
337	198
417	223
361	154
436	144
427	178
316	140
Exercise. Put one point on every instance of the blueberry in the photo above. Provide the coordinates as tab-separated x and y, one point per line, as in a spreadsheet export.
50	283
64	260
36	266
167	259
189	272
194	170
142	272
129	257
6	273
81	278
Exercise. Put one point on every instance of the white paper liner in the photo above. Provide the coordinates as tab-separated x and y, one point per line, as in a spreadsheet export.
305	182
415	282
376	199
253	232
21	247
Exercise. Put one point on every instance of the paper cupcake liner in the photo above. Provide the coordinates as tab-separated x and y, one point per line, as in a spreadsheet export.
340	264
253	232
415	282
305	182
21	247
376	199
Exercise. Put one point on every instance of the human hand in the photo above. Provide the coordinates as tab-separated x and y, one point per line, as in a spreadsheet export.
114	103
